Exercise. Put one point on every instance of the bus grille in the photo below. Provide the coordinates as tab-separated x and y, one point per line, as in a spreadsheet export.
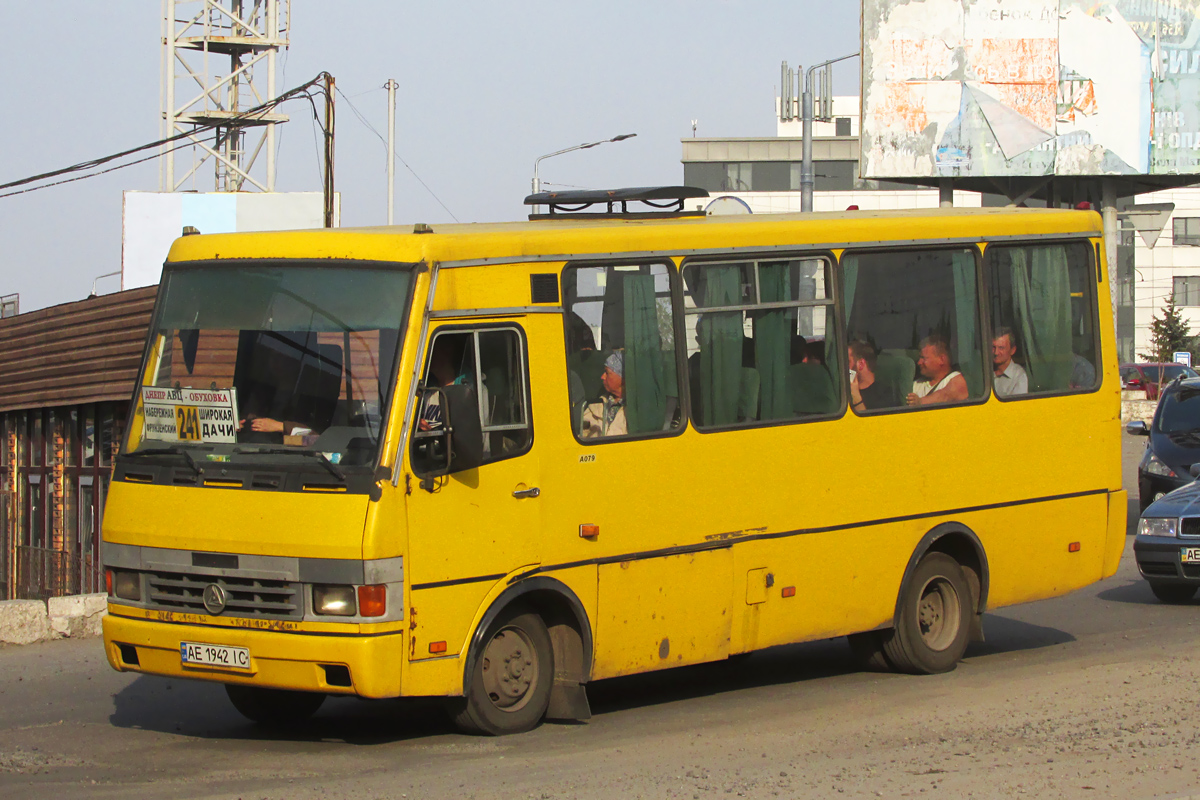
245	597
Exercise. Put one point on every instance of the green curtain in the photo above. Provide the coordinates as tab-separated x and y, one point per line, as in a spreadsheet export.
970	362
720	338
1042	303
773	343
645	384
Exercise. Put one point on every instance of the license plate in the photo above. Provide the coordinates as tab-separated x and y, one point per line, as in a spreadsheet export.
199	654
1191	555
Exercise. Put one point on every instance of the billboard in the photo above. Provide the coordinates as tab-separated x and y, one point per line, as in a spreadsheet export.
1009	88
151	221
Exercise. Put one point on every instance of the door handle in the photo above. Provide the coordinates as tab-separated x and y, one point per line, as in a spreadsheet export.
521	494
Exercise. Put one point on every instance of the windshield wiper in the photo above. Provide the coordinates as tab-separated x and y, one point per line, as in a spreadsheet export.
174	450
321	458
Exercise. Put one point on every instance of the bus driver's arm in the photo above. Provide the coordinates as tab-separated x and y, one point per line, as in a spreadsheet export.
953	392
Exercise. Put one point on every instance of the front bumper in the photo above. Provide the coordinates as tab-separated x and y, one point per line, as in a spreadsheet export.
1151	487
278	660
1158	559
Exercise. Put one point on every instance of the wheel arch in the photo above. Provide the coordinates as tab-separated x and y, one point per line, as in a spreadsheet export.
565	617
963	545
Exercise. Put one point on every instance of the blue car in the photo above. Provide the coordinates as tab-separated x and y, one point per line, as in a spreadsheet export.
1167	545
1174	441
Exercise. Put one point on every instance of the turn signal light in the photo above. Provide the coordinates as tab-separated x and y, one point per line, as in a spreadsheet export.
1073	547
108	581
372	600
789	591
589	531
437	647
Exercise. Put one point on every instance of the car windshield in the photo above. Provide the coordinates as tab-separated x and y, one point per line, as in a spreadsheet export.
1173	371
1180	412
284	360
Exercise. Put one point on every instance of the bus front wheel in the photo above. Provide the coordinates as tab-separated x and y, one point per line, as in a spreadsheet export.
932	627
509	688
273	707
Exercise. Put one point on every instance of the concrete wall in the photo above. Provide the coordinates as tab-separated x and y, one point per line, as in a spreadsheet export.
29	621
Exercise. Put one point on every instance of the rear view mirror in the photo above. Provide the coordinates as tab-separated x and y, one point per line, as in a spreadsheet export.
1138	428
466	434
1194	469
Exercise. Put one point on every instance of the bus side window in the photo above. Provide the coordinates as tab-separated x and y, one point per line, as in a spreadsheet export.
1044	299
760	346
622	373
488	367
917	313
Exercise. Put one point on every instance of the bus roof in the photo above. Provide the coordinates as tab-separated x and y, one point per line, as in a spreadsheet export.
569	238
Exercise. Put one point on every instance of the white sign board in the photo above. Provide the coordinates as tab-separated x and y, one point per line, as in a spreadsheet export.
1183	357
190	415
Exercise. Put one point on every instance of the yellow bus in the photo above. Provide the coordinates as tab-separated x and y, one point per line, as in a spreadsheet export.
494	462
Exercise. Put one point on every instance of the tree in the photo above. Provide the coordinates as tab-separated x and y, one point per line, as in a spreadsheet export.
1169	334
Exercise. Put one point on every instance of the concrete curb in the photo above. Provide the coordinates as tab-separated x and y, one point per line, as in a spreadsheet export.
30	621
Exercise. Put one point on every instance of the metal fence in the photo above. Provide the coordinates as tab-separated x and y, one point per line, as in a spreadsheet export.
43	573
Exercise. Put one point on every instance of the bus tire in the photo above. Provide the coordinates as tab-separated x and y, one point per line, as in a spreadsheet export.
276	708
1173	593
932	626
510	682
867	648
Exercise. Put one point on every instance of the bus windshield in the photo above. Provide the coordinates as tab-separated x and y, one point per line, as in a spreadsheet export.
281	359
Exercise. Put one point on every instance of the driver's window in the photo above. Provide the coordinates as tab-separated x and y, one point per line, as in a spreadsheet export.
479	379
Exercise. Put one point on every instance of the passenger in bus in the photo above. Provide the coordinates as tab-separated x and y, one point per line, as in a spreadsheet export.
941	382
442	372
1010	376
607	417
866	392
1083	374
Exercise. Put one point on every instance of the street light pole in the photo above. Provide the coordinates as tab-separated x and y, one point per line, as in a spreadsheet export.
537	183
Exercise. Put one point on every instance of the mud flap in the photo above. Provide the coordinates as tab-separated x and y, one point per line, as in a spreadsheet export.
568	703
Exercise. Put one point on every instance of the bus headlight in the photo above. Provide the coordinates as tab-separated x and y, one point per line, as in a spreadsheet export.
1158	526
126	585
337	601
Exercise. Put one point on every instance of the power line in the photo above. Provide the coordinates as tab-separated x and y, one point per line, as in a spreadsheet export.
184	137
371	128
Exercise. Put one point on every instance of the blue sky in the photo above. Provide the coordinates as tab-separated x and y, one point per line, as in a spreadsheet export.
485	88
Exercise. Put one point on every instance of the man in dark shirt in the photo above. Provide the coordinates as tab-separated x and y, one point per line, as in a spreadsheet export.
865	391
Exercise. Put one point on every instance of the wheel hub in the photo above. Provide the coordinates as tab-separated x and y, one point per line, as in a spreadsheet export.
937	619
509	669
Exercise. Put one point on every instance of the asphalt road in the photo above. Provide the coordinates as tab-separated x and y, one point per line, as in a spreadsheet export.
1089	695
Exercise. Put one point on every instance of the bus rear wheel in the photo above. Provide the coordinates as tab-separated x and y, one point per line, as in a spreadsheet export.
509	688
276	708
932	627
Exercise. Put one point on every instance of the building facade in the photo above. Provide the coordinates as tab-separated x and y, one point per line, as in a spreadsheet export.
66	376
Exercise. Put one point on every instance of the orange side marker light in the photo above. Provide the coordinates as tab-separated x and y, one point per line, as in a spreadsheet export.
437	647
1074	547
589	531
789	591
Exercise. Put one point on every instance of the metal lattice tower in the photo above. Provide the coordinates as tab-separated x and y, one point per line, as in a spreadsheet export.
218	62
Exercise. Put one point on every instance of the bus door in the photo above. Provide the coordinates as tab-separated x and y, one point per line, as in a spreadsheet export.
473	512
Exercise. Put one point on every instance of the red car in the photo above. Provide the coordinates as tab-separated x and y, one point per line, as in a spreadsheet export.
1153	375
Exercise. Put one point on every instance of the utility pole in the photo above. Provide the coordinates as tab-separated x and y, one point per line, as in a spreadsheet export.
329	122
391	86
806	167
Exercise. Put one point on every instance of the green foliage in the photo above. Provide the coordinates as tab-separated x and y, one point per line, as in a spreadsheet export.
1169	334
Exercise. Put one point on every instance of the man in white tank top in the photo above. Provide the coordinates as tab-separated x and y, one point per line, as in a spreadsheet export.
940	383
